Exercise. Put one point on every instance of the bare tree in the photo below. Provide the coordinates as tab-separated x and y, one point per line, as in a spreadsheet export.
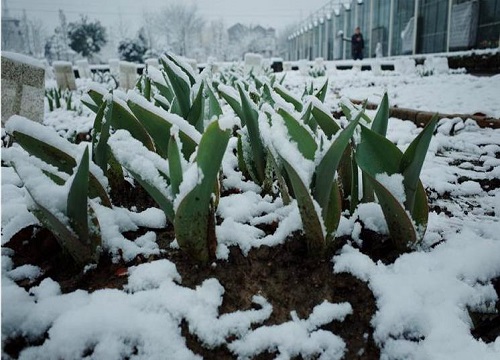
26	34
38	37
149	32
179	28
282	42
57	47
23	35
216	40
252	39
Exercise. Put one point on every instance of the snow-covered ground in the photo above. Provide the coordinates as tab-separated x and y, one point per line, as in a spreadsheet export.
423	298
446	94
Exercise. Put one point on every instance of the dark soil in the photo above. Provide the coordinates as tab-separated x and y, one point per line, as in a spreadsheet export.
487	326
284	275
289	280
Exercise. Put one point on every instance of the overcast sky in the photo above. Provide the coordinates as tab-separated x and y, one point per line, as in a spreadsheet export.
275	13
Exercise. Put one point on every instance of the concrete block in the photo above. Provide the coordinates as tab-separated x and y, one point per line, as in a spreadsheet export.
253	63
23	87
152	62
114	66
65	77
405	66
84	69
128	75
437	65
376	67
304	67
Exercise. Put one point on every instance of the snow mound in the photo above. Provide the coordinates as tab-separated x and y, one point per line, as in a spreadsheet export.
424	297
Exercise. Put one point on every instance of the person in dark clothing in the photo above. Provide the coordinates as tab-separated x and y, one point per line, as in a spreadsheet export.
358	44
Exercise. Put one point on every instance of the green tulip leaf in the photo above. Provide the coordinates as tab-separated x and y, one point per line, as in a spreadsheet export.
377	155
299	134
165	89
308	119
184	66
214	108
251	117
91	105
325	121
401	228
234	103
311	222
289	97
154	180
379	125
413	160
158	196
321	93
196	114
181	86
381	119
194	218
61	160
69	240
333	211
102	122
158	123
76	208
327	167
348	112
123	118
174	165
420	212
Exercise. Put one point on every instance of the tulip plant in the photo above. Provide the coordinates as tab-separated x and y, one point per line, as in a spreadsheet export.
176	122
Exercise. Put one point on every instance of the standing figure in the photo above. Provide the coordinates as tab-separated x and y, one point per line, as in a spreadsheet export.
358	44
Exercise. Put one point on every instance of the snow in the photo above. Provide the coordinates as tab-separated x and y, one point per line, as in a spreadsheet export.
241	229
448	94
229	91
283	337
15	204
30	272
371	217
191	177
228	121
146	164
79	124
146	316
156	75
188	64
39	186
394	183
23	59
234	177
114	222
43	133
423	298
277	136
